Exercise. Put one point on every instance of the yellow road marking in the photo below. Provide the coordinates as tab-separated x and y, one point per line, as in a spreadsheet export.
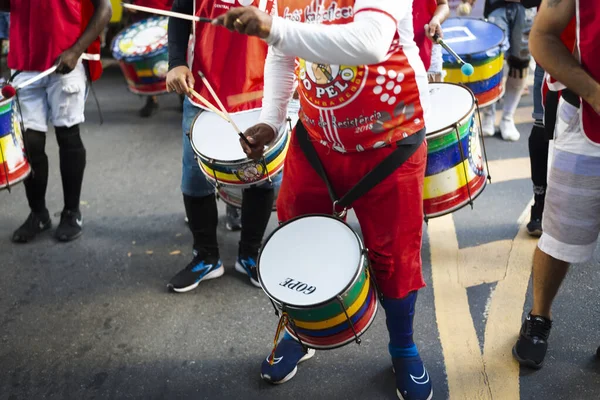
508	170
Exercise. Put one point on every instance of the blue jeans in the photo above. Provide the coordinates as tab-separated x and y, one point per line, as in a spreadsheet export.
193	180
516	21
538	80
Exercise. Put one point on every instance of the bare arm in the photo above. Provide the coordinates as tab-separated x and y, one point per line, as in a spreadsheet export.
99	20
548	50
439	16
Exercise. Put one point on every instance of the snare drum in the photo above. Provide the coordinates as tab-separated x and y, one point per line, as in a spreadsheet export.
141	50
233	196
456	168
315	269
13	164
480	44
220	154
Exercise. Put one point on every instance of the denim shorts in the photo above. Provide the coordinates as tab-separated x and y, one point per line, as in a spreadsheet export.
538	81
4	25
516	21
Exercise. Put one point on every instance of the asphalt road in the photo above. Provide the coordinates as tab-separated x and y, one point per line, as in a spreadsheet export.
92	319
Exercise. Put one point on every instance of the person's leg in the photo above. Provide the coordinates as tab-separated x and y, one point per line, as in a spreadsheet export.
518	58
571	224
201	211
34	109
150	107
257	206
538	156
302	192
66	99
488	114
391	219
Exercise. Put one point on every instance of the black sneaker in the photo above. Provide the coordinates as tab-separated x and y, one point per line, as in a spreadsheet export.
532	344
34	224
70	226
247	265
201	268
534	227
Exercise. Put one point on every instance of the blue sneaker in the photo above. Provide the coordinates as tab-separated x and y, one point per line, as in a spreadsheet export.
288	355
412	379
247	265
198	270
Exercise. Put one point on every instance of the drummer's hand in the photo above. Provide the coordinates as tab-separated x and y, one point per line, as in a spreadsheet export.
68	60
180	80
434	27
259	136
247	20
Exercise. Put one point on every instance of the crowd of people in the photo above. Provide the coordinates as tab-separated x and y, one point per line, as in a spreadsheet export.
270	47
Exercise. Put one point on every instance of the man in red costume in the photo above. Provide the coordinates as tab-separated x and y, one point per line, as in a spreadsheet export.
233	65
44	33
428	16
571	220
364	99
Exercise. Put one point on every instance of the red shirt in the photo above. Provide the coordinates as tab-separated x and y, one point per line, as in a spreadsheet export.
588	31
232	63
356	108
160	4
40	30
423	11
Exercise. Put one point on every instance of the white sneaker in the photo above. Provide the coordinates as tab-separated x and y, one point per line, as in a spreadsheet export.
508	130
488	121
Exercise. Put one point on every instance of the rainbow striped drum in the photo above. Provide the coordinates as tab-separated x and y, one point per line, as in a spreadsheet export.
233	196
220	154
479	43
455	174
13	164
315	269
141	50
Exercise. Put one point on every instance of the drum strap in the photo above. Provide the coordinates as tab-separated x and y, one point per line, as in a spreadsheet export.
405	149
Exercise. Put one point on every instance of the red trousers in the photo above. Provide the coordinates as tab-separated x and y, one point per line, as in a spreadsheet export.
390	215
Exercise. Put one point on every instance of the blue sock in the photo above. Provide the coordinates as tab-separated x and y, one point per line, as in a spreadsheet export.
399	320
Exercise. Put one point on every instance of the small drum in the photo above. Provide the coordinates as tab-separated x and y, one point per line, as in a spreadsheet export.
479	43
232	195
315	269
456	173
141	50
13	164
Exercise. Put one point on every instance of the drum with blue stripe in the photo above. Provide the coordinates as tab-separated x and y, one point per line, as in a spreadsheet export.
480	44
14	166
315	269
141	50
456	170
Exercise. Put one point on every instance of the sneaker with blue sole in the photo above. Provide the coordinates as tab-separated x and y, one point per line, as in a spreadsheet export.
198	270
247	265
412	379
288	355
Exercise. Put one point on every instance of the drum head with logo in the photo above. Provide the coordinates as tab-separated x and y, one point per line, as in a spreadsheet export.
141	40
309	261
449	104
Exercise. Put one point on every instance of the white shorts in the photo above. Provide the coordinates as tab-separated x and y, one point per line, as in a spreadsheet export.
571	221
57	99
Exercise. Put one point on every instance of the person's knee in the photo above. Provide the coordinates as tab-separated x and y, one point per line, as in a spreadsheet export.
69	138
35	142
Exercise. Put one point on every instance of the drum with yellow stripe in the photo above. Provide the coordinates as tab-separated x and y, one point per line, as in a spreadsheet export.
220	154
14	166
480	44
315	269
141	50
456	170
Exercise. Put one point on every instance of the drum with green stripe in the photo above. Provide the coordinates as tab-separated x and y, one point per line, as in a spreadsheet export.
315	268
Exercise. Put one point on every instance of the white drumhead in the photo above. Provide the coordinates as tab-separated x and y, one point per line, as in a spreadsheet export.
317	251
449	104
215	138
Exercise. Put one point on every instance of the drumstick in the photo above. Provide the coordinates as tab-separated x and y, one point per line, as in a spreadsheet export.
223	109
208	104
465	68
166	13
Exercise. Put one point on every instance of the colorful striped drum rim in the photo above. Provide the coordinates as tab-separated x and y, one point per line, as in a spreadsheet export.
336	319
14	166
450	156
340	327
484	86
142	40
452	201
472	39
343	338
233	195
491	96
480	72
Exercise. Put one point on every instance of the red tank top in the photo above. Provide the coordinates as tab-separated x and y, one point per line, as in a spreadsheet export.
423	11
160	4
234	67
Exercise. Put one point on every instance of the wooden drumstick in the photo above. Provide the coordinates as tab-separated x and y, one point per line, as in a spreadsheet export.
166	13
208	104
223	109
